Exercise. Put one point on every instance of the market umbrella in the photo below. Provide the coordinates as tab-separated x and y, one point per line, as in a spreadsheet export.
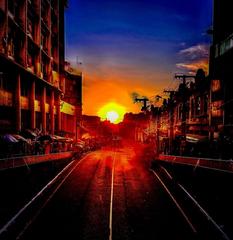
59	138
20	138
8	138
27	133
45	138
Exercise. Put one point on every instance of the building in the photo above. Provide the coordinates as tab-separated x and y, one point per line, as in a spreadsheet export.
221	71
91	126
32	64
198	106
183	119
136	126
71	103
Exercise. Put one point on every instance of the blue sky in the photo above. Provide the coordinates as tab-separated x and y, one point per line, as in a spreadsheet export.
134	46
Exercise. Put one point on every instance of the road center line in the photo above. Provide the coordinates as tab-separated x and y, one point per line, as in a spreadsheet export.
111	198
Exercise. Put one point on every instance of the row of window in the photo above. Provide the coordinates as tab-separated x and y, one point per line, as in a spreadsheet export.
6	85
224	46
197	107
15	48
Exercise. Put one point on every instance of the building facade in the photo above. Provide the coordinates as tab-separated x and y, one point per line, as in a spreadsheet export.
183	118
32	64
91	125
221	71
71	103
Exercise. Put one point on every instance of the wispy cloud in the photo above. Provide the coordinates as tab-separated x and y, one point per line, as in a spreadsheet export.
193	58
199	51
194	66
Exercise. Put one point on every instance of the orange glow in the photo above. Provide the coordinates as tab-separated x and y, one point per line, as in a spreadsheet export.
194	66
112	112
99	91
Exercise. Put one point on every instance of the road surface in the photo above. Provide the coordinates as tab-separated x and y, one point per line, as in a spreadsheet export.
109	194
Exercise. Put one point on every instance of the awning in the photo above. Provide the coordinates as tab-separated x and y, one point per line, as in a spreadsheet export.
8	138
20	138
194	138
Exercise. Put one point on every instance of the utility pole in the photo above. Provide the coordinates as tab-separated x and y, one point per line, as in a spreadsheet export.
184	78
171	118
144	101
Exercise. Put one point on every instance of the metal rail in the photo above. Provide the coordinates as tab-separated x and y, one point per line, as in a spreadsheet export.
208	163
14	219
182	211
193	200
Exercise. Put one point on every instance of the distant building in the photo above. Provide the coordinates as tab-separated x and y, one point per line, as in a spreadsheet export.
184	116
136	126
221	71
71	104
198	105
91	126
31	64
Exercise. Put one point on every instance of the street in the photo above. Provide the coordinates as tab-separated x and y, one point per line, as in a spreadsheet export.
110	194
116	125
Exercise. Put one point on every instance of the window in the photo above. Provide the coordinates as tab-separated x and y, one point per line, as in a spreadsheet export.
198	106
38	92
48	95
44	68
216	51
179	112
18	12
226	45
192	108
5	84
24	89
2	81
205	104
44	11
11	7
30	56
44	41
30	28
215	85
10	42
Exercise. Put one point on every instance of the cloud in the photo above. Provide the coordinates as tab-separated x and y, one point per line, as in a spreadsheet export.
134	95
192	67
199	51
193	58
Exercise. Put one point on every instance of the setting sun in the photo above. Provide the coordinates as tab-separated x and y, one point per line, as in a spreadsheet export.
112	112
112	116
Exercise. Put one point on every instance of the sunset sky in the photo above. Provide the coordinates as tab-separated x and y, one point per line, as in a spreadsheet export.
135	46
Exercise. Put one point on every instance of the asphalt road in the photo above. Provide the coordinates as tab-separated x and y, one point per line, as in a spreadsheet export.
110	194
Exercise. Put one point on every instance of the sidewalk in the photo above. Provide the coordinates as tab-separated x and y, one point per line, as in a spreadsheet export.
14	162
214	164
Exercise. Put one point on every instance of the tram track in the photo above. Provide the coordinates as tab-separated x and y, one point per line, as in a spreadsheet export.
18	225
107	189
15	227
199	220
